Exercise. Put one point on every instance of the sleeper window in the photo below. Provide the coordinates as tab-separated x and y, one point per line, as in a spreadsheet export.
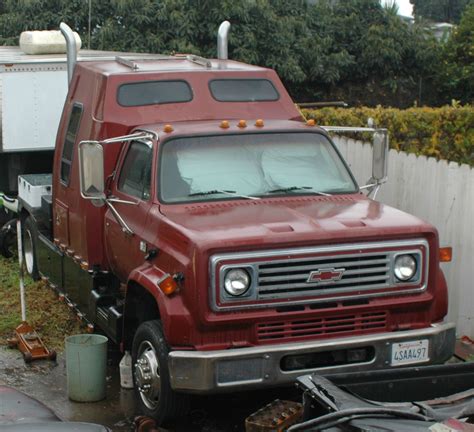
68	148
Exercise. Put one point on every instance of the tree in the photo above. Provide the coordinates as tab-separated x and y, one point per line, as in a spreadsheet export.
456	76
354	49
439	10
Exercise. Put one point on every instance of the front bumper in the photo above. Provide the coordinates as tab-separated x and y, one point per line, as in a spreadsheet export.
258	367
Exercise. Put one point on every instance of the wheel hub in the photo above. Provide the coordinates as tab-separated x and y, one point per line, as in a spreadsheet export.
147	375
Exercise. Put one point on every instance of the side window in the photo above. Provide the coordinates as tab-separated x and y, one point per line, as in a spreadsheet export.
135	177
68	148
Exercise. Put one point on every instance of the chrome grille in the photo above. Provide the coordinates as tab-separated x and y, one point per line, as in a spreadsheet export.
285	278
299	275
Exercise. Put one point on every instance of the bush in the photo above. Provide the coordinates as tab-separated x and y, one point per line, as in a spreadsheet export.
444	133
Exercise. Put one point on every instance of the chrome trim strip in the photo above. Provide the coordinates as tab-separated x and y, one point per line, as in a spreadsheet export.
390	285
310	267
198	371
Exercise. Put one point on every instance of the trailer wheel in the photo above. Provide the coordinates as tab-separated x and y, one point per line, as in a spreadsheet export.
151	375
8	242
30	240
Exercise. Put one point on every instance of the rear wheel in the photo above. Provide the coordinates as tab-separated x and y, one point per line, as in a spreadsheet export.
30	241
151	375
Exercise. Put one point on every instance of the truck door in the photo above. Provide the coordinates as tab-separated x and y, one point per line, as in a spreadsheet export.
133	182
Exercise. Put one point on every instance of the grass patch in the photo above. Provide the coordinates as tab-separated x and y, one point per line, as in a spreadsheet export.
51	318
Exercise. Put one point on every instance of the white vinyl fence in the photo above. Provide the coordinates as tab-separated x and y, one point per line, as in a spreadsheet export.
441	193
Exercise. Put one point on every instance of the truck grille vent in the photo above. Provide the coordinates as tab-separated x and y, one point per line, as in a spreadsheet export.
282	279
335	325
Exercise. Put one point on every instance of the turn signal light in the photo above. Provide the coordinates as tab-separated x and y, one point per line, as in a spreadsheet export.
311	122
168	285
446	254
224	124
259	123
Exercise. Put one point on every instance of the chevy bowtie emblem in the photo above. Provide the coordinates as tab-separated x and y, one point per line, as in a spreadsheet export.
327	275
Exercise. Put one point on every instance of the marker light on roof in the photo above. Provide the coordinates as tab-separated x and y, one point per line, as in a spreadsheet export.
224	124
259	123
311	122
168	128
242	124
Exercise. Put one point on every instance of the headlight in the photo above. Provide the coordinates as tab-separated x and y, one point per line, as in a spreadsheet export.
236	282
405	267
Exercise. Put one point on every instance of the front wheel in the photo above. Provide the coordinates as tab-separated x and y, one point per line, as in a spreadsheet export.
151	375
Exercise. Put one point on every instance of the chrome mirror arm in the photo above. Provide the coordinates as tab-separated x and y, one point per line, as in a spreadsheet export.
125	228
112	199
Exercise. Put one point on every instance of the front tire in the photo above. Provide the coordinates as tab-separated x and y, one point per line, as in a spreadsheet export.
30	242
151	375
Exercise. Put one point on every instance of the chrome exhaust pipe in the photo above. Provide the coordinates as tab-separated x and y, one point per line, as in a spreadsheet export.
71	49
223	41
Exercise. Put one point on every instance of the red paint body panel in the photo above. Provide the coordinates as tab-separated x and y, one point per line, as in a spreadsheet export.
187	235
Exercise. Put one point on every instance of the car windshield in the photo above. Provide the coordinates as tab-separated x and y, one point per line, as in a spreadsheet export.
251	166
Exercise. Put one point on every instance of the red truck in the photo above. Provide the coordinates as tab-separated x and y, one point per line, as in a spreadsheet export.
204	225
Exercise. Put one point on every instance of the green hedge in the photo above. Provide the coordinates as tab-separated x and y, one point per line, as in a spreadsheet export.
444	133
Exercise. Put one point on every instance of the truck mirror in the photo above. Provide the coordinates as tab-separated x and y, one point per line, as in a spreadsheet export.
91	171
380	156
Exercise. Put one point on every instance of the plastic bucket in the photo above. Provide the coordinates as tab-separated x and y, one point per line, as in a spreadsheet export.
86	365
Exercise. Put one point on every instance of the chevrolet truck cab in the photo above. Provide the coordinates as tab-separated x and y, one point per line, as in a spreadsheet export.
203	224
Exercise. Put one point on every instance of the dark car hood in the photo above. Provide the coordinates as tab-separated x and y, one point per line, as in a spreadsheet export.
288	220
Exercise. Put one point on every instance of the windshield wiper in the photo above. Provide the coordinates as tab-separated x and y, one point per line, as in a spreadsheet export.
224	192
297	188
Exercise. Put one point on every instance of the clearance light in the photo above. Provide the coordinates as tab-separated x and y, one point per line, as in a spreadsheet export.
168	128
259	123
446	254
242	124
311	122
168	285
224	124
84	265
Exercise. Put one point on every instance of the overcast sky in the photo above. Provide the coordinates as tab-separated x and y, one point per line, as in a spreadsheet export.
405	8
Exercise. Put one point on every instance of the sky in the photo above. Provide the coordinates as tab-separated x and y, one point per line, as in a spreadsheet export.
405	8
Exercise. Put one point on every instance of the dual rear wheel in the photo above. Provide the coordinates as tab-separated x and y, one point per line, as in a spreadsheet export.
8	244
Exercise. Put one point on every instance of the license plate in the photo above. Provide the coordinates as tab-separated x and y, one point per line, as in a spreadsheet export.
410	352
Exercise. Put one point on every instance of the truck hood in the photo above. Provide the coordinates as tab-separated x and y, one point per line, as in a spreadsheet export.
290	220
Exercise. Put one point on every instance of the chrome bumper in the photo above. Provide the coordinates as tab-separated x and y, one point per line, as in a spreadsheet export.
258	367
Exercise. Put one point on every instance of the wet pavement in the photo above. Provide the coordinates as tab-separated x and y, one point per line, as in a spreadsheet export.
46	381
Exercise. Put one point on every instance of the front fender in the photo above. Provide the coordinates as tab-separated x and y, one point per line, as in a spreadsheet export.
175	317
440	308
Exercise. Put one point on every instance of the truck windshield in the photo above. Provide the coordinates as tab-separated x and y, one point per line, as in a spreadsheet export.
251	165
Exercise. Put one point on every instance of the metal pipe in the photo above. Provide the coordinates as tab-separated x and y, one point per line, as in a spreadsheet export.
223	40
71	49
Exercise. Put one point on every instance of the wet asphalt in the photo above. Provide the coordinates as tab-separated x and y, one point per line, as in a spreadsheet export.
46	381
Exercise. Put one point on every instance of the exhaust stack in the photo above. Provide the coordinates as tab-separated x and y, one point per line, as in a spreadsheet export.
71	49
223	41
